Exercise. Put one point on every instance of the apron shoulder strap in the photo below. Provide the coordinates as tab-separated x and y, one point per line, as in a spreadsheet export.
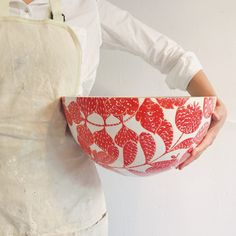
4	7
55	7
56	10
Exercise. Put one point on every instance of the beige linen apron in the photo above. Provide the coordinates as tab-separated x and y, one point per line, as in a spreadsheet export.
47	185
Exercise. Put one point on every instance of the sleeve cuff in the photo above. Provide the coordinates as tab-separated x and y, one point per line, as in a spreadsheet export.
183	71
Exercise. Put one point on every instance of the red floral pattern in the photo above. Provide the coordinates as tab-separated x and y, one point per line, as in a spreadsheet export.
130	145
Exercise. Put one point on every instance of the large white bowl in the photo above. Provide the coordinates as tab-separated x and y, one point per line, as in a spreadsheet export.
138	136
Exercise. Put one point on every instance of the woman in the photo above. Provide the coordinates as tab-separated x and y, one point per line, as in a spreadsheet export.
51	49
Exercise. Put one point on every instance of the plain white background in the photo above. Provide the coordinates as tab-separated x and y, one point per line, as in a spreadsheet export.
199	200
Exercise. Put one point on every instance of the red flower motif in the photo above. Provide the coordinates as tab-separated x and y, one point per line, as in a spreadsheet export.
188	118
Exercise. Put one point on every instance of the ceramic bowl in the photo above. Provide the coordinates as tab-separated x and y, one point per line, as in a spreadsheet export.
138	136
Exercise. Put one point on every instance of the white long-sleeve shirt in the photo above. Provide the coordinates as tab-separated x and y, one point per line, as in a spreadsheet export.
103	25
100	24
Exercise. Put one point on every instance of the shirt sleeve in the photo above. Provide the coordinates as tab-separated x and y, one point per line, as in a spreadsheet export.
122	31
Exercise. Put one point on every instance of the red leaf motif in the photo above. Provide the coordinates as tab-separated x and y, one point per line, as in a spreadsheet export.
201	133
75	112
184	144
161	166
122	106
129	152
86	105
84	135
188	118
103	158
148	145
169	103
166	133
101	107
208	106
103	139
124	135
113	151
150	115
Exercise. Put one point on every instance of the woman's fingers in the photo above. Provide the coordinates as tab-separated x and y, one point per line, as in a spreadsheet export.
206	142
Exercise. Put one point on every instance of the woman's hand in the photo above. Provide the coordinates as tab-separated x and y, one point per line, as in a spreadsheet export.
200	86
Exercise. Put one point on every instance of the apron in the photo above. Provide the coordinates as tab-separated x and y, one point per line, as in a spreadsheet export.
48	186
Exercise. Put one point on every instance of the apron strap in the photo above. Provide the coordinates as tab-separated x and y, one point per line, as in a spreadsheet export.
4	7
55	8
56	11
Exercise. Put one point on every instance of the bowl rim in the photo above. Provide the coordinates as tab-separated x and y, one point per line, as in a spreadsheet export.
139	96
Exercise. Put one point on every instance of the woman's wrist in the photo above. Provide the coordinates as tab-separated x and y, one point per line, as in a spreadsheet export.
199	85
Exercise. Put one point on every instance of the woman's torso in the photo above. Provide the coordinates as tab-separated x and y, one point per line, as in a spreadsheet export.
47	184
83	17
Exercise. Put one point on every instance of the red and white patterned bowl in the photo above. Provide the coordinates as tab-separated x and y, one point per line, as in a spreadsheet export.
138	136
